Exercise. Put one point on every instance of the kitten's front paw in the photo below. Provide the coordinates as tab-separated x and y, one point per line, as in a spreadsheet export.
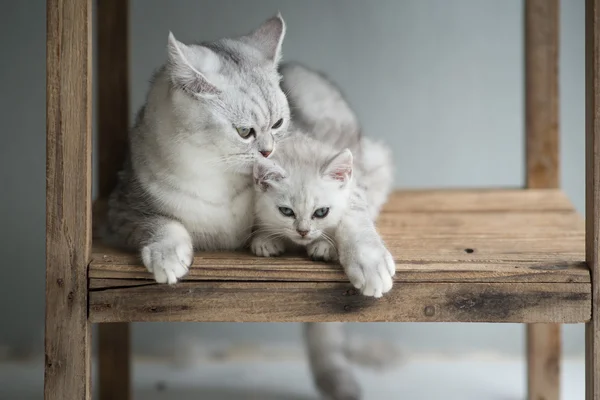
370	269
264	247
169	258
322	250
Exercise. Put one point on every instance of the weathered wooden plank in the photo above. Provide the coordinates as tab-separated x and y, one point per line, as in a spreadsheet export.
319	302
459	246
592	214
476	200
68	198
412	273
510	224
113	123
101	283
243	266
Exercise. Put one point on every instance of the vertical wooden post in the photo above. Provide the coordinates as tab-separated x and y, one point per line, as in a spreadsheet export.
592	188
113	123
541	93
68	198
542	144
113	91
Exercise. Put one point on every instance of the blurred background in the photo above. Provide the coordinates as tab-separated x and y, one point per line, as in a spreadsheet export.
440	81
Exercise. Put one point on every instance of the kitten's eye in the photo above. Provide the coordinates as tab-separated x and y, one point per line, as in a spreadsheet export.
321	212
245	132
288	212
277	124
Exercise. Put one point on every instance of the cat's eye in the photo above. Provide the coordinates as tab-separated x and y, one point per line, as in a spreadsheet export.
321	212
288	212
245	132
277	124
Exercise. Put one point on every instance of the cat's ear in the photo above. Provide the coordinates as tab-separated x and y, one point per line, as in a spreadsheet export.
190	66
339	167
267	172
268	38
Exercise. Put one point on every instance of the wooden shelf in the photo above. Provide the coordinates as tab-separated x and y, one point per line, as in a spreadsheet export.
462	255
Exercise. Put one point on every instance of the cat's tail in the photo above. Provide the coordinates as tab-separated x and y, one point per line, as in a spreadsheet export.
376	354
331	353
376	169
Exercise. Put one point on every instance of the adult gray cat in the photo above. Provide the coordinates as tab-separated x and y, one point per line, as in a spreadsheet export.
212	109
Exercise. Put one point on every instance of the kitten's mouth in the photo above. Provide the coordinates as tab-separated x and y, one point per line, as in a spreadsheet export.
303	240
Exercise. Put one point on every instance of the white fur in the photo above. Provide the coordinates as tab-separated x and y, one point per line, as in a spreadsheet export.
170	256
329	363
377	175
188	156
305	176
322	250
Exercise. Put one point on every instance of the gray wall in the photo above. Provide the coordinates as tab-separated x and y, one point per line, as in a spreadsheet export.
441	81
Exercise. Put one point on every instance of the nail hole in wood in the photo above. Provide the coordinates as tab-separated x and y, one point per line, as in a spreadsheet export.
469	251
429	311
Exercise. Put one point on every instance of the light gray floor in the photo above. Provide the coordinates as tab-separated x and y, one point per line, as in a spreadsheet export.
427	379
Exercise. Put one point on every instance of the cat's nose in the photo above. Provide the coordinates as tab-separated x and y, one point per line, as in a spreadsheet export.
265	153
302	232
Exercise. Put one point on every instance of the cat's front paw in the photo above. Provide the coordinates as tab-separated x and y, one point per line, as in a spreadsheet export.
322	250
169	258
264	247
370	269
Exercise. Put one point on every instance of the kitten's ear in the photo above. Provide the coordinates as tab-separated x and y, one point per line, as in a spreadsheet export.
189	67
339	167
268	38
266	172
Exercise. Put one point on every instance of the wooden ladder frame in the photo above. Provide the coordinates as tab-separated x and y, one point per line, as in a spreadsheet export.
69	184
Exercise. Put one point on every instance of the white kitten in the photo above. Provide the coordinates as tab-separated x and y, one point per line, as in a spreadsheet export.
307	195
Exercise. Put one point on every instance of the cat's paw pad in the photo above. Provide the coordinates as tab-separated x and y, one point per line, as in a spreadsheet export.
338	384
264	247
168	260
322	250
370	269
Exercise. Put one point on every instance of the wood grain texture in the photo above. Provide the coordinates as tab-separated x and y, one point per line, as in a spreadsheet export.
543	170
541	93
114	362
543	361
511	243
477	200
325	301
68	199
112	17
113	90
592	168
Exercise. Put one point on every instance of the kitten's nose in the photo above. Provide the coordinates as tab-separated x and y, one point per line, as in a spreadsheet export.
302	233
265	153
